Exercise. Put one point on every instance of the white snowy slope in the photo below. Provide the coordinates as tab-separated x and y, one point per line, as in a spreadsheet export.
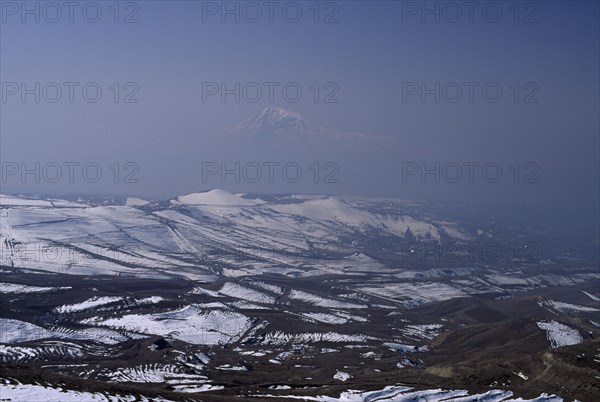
15	331
30	201
330	209
414	293
395	393
90	240
155	373
202	235
192	324
321	301
46	351
241	292
34	393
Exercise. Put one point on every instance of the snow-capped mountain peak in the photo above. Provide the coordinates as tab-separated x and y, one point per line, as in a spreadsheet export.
278	121
274	124
273	114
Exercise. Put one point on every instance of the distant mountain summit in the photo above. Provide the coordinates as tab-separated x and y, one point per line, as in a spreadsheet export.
281	151
278	119
280	130
275	125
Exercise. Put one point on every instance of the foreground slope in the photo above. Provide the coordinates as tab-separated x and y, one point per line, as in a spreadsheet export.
219	296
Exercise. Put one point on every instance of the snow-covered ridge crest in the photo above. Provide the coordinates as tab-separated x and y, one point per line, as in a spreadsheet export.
212	197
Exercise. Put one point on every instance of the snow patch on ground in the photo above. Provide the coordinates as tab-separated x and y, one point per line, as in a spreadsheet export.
402	348
325	318
89	303
201	291
149	300
266	286
29	393
523	376
394	393
155	373
412	294
422	331
559	334
228	367
281	338
566	306
45	352
191	324
241	292
321	301
342	376
591	296
15	331
19	289
198	388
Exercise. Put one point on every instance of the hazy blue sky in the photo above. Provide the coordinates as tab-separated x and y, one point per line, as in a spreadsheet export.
372	49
